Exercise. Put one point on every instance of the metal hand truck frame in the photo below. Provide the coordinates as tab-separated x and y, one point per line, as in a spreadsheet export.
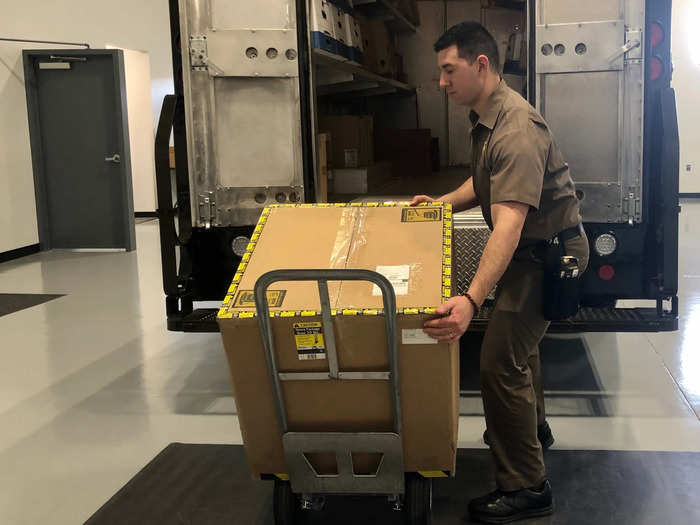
305	489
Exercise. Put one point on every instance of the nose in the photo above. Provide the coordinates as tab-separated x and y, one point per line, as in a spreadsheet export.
443	80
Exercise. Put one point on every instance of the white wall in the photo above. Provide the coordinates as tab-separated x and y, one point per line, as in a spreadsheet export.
134	24
137	72
685	45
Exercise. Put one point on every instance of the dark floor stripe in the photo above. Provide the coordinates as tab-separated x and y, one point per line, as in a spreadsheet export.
14	302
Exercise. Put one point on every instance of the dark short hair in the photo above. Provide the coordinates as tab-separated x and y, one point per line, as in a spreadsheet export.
472	39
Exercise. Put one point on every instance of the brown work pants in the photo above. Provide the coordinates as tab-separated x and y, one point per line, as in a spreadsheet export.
511	383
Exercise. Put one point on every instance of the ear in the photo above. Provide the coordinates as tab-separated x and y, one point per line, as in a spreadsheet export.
484	64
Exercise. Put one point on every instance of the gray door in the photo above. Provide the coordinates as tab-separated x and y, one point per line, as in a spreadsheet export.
80	148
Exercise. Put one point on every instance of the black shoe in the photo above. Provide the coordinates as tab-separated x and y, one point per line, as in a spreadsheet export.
506	507
544	435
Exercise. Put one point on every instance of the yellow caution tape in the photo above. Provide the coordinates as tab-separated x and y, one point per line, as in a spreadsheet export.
446	292
356	204
237	278
288	313
446	250
350	311
266	211
334	312
447	241
447	281
242	267
309	313
274	205
323	204
307	205
250	247
370	311
227	299
411	311
430	310
283	477
372	204
389	203
246	256
232	289
246	315
255	237
339	204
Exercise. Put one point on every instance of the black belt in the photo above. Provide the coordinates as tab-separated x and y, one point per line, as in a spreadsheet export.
571	233
536	252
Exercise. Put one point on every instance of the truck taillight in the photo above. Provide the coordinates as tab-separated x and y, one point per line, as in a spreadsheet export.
606	272
656	68
656	34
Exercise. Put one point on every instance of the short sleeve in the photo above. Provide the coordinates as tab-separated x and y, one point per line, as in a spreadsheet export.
518	160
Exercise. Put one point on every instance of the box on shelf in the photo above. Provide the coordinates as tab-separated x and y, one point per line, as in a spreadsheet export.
354	38
322	26
339	31
352	140
361	181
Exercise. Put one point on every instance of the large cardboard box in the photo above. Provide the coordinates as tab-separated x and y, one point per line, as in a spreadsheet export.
359	181
323	150
352	140
412	247
383	50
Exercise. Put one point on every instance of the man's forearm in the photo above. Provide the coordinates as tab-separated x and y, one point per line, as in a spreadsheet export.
463	198
494	261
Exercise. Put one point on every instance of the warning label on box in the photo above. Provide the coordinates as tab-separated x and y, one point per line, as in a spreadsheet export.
246	298
309	341
421	214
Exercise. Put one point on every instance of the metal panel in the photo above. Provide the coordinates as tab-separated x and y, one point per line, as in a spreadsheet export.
601	201
389	478
591	93
252	53
563	11
588	139
243	128
470	237
256	132
587	46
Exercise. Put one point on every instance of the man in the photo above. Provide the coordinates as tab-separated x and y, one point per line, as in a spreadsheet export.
527	197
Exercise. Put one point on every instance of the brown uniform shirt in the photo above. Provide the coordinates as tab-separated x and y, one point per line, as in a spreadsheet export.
515	158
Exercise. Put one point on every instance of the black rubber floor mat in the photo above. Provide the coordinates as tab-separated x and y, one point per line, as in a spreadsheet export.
566	365
211	484
14	302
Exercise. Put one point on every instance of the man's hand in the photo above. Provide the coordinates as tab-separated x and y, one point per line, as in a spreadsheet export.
421	198
451	327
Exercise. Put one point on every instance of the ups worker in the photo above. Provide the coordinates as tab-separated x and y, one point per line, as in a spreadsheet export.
527	197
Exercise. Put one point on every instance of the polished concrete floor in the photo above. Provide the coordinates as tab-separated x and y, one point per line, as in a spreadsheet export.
93	385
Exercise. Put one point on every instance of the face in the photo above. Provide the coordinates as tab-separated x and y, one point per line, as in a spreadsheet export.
463	81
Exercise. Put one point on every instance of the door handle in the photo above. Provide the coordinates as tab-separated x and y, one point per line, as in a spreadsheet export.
114	158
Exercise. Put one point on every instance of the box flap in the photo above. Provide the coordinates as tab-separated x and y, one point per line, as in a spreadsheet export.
296	238
409	245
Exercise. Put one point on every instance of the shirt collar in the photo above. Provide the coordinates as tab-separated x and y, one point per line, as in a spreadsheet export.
492	108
